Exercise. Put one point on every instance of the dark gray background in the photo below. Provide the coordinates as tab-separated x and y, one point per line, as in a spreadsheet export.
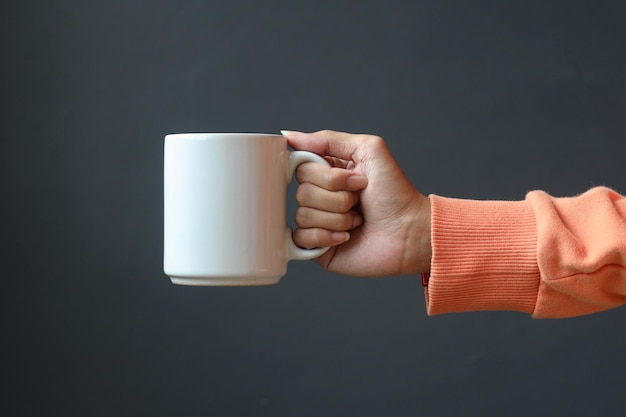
476	99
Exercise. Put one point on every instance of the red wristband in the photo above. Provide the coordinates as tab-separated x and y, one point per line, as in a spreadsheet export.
425	279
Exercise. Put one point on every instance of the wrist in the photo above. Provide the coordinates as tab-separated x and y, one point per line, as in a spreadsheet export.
425	245
418	247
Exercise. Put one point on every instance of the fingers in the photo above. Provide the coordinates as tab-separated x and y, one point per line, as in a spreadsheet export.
311	218
339	163
332	179
309	195
341	145
326	143
318	238
327	195
325	199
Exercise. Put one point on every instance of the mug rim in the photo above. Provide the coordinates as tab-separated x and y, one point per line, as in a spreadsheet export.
215	135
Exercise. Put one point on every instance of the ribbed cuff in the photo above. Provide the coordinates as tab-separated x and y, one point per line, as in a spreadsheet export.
484	256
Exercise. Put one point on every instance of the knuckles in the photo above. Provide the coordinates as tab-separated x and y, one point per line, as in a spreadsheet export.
303	193
310	218
336	179
302	216
345	201
310	195
309	238
329	178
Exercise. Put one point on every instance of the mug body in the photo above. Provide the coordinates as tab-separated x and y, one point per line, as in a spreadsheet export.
225	208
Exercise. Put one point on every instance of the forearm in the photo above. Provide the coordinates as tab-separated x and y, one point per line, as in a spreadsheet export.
550	257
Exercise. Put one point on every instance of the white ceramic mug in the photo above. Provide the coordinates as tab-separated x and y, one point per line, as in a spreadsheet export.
225	208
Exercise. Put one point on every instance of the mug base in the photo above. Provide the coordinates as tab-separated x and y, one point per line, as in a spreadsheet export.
224	281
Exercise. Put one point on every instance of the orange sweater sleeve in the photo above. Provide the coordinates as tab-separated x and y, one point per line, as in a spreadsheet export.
545	256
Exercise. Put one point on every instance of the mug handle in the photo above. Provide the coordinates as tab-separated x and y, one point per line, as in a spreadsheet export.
296	158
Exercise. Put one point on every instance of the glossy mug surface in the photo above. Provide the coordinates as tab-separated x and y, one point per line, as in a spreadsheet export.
225	208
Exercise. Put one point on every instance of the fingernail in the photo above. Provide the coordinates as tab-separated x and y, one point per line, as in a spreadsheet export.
340	237
356	182
291	133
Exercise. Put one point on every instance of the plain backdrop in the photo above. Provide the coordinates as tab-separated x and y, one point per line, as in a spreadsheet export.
476	99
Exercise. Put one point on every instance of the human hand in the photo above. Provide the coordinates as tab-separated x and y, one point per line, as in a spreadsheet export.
366	193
